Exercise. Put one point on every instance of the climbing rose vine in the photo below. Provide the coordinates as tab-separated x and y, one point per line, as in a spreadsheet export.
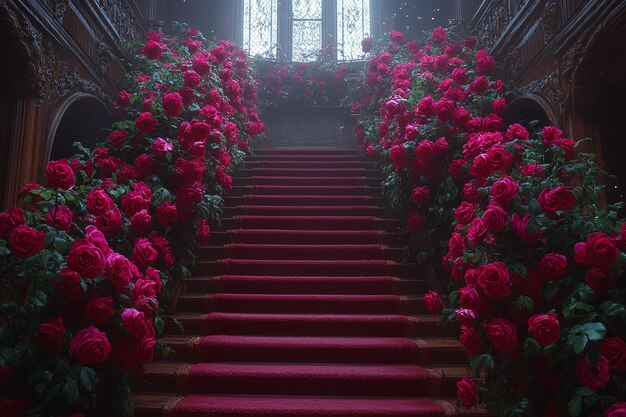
535	263
85	263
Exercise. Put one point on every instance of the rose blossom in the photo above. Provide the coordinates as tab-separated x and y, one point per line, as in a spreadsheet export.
469	298
86	259
593	376
614	350
495	217
90	346
117	137
616	410
467	392
166	214
367	44
134	321
51	334
99	202
504	191
204	232
520	227
145	122
144	253
494	280
470	340
599	251
464	213
9	220
71	285
544	328
552	266
465	316
559	199
416	223
100	309
144	349
439	35
600	281
118	272
60	175
26	241
503	335
172	104
477	232
152	49
433	303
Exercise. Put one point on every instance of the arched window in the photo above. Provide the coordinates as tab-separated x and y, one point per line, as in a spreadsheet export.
295	30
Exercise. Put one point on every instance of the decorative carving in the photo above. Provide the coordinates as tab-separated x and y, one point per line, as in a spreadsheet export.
549	19
513	62
104	56
58	9
491	24
122	17
548	87
70	80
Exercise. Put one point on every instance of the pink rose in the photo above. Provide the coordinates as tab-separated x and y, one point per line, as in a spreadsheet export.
204	232
90	346
144	349
192	79
134	321
397	37
117	137
99	202
550	135
477	232
110	222
166	214
71	285
544	328
465	316
367	44
438	36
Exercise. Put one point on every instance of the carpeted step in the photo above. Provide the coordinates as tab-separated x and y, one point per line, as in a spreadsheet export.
226	348
304	152
311	222
308	157
304	164
260	284
284	180
304	200
338	190
276	251
427	350
313	172
313	237
323	325
303	303
305	267
303	379
327	210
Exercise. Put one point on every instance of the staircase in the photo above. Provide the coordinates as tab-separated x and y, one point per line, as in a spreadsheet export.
304	306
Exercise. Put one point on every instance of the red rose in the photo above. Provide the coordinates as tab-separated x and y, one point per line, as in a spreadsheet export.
485	64
26	241
599	281
616	410
465	316
144	253
477	232
561	198
438	36
494	280
144	349
110	222
100	309
479	85
9	220
99	202
90	346
134	202
499	106
456	245
117	137
51	334
469	298
467	392
599	251
533	170
134	321
416	223
470	340
614	350
145	165
86	259
495	217
201	66
552	266
499	159
192	79
516	131
503	335
550	135
444	109
60	174
544	328
367	44
593	376
433	303
71	285
140	222
166	214
123	98
172	104
161	148
152	49
118	272
520	227
60	217
397	155
145	122
464	213
504	191
204	232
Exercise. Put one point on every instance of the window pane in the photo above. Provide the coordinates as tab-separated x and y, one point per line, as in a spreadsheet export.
260	27
307	9
307	39
353	24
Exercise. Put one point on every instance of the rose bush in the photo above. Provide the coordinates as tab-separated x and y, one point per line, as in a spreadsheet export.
534	263
87	260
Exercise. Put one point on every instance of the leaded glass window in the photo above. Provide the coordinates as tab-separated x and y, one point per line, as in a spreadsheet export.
260	27
297	29
353	25
306	17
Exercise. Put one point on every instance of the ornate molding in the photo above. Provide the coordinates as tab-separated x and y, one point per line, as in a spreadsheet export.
549	87
491	24
58	9
104	55
549	19
122	18
71	80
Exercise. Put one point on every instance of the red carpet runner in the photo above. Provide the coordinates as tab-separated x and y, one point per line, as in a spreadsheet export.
304	307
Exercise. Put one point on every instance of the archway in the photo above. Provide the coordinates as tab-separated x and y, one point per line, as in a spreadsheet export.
82	118
527	109
600	98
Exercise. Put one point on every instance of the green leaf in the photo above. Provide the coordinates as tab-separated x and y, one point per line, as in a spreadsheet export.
87	379
532	347
574	407
11	356
580	342
70	391
583	391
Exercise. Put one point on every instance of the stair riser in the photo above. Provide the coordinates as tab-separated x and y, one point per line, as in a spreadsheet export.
403	287
305	152
310	181
303	164
302	238
304	211
311	172
295	253
281	269
294	385
312	223
259	200
334	190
